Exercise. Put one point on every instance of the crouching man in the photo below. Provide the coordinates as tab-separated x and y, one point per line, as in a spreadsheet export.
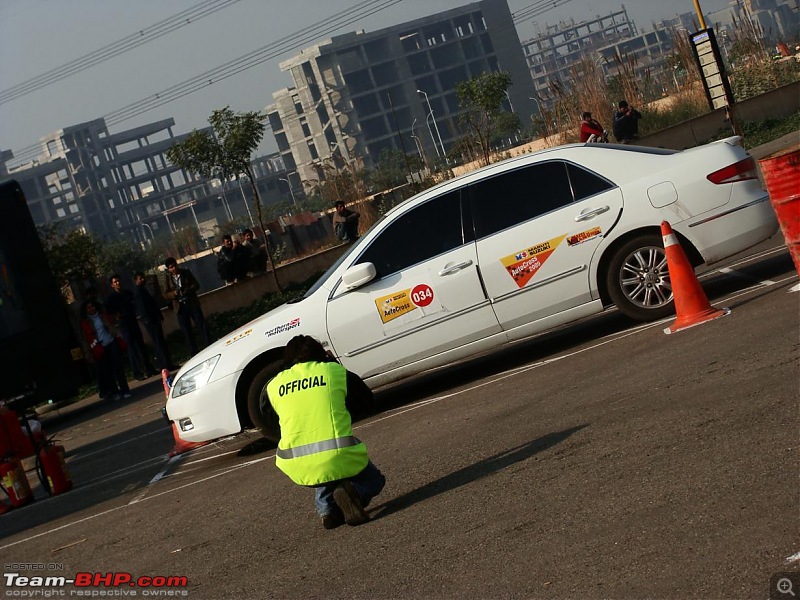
317	447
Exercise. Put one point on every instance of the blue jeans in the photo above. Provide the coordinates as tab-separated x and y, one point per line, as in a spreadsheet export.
368	483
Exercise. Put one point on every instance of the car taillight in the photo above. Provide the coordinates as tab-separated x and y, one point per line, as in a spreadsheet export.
741	171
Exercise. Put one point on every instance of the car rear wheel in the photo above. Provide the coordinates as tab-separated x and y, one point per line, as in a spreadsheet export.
258	407
638	279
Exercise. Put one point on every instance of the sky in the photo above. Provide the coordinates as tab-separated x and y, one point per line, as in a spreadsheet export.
37	36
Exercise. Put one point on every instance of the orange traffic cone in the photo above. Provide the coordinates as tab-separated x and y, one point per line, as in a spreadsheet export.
165	381
691	304
180	445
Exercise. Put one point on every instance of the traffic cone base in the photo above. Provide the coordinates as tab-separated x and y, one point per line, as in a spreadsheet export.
691	304
697	320
180	445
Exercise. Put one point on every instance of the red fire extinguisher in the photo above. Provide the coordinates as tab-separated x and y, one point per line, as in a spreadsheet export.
53	470
14	482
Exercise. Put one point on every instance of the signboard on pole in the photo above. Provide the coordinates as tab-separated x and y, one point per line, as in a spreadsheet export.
712	69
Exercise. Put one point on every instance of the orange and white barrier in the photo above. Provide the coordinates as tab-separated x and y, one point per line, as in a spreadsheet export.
691	303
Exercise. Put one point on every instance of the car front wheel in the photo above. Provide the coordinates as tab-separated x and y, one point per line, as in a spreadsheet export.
638	279
258	407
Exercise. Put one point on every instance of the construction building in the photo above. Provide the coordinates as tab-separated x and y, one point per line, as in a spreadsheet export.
357	94
555	51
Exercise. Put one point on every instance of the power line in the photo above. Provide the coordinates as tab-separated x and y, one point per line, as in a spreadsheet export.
536	9
114	49
289	42
324	27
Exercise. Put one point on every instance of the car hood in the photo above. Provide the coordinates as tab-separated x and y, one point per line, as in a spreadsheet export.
237	347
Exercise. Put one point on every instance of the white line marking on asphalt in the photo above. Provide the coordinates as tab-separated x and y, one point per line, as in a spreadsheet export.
758	256
415	406
740	275
119	473
155	479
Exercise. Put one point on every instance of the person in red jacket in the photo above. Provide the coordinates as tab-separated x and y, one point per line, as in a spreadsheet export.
106	348
589	128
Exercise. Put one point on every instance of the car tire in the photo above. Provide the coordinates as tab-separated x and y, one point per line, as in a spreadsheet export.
638	279
258	407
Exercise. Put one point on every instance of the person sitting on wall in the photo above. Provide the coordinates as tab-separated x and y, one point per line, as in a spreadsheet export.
232	260
345	223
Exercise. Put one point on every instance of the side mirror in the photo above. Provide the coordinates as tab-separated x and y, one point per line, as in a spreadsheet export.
358	275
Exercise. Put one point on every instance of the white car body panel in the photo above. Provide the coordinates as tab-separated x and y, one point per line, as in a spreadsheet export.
466	300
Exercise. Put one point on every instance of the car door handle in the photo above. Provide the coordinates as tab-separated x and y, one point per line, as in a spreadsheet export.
455	268
591	213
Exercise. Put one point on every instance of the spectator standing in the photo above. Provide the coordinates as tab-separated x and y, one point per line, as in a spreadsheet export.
317	447
258	252
625	123
232	260
345	223
181	290
149	313
591	130
241	260
119	305
106	349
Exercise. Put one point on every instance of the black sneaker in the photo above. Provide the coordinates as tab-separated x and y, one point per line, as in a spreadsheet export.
346	498
333	519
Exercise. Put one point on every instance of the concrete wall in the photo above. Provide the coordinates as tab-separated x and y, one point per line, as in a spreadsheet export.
780	102
245	293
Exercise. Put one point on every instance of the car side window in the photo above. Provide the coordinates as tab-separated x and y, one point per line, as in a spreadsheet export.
585	183
517	196
421	233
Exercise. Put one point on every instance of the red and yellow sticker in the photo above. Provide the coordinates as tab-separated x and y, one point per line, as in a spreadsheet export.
584	236
522	265
403	302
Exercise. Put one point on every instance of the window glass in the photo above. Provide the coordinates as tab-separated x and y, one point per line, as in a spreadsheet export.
517	196
421	233
585	184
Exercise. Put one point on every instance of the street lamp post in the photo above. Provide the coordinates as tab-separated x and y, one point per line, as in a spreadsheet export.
217	172
510	105
431	116
247	206
150	229
289	183
418	143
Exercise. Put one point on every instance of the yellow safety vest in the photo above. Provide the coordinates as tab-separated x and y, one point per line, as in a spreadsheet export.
317	444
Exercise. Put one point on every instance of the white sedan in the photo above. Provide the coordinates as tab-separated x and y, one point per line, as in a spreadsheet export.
491	257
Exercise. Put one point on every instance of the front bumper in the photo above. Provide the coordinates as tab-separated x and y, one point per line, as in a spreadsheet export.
211	411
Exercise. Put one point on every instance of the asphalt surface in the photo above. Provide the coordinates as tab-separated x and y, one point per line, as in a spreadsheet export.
604	459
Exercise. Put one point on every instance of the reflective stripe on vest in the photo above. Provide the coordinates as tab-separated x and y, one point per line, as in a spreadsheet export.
316	447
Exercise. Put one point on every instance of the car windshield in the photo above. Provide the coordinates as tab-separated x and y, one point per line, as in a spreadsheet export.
356	245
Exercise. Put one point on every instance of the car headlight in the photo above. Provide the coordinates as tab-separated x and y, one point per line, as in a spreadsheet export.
195	378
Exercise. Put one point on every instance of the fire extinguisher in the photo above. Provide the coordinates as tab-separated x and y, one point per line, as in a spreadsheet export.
14	482
52	469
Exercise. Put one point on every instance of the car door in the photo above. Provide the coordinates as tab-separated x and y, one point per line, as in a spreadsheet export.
537	229
426	299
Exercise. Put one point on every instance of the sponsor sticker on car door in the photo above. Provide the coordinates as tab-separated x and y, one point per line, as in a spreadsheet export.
402	303
523	264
